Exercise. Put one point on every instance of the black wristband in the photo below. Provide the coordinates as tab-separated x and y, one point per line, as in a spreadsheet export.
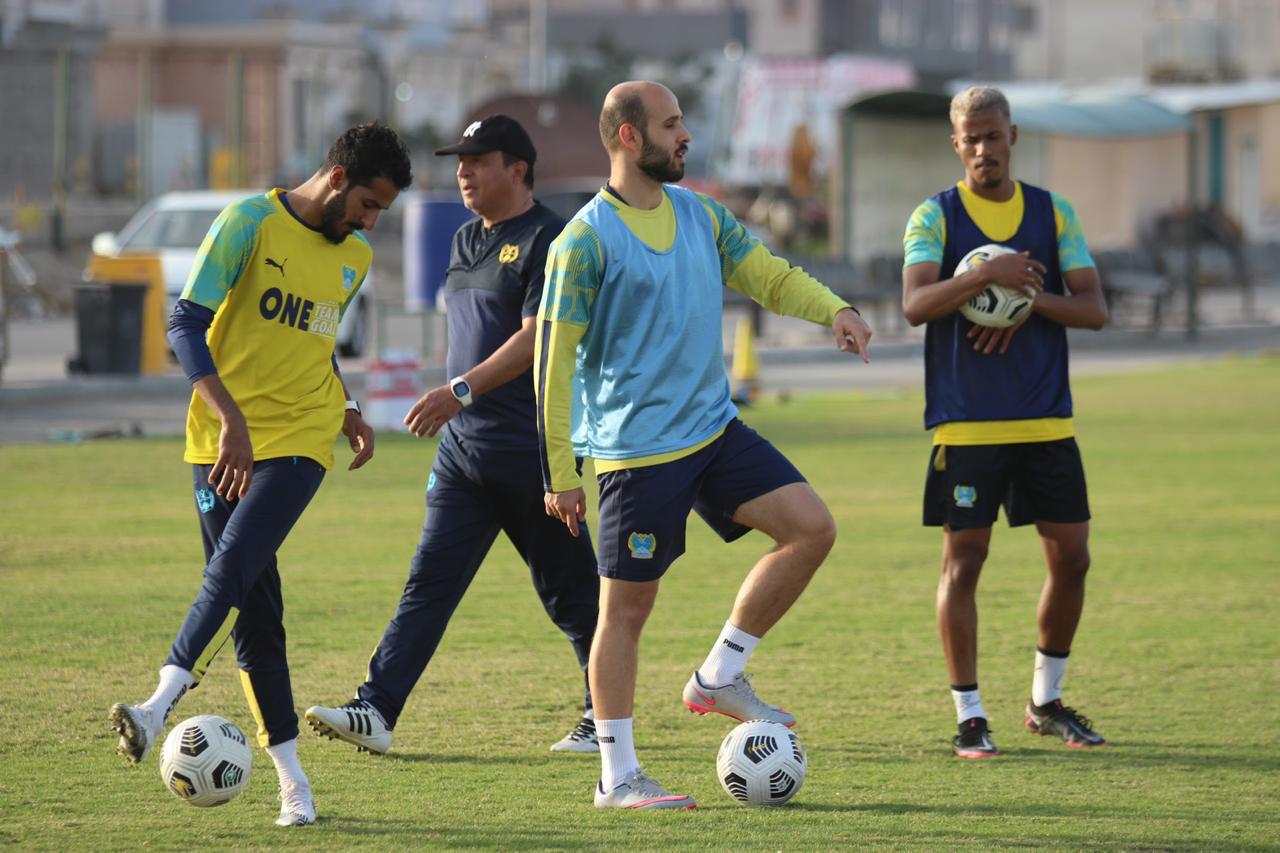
854	310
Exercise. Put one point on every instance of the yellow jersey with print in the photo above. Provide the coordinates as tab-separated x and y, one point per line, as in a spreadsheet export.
278	288
927	241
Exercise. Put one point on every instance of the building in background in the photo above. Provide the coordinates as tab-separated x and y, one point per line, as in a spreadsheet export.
1160	41
940	39
46	92
1128	158
784	105
241	105
128	98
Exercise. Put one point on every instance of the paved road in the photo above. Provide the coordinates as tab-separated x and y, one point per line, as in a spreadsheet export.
39	403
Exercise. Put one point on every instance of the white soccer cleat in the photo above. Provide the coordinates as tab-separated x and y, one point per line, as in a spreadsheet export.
138	729
297	808
735	699
356	722
638	791
582	739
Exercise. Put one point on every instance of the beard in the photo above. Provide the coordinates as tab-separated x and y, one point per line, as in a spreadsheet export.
659	165
332	219
991	183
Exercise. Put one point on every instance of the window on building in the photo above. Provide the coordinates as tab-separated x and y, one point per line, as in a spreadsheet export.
998	31
914	22
902	22
965	19
890	22
1022	17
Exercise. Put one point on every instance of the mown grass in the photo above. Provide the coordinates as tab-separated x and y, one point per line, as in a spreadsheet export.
1177	659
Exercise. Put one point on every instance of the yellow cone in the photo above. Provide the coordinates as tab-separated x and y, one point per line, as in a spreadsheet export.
745	371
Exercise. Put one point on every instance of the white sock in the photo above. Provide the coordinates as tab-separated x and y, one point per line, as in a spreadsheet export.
285	757
617	752
728	656
174	683
968	704
1047	683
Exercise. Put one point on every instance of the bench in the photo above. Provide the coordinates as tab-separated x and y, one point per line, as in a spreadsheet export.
876	292
1130	275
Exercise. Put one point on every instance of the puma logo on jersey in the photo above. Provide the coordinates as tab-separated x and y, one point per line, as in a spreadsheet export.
278	264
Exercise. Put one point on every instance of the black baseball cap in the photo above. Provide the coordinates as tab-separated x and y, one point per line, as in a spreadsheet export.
494	133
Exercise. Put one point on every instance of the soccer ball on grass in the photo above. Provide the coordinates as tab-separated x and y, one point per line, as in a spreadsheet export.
761	764
206	761
996	307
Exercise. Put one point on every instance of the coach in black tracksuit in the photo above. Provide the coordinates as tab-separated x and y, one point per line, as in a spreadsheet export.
486	475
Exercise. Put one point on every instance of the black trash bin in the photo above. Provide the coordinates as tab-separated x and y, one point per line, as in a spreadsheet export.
109	328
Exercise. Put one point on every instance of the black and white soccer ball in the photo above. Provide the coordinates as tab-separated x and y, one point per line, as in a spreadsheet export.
996	307
206	761
761	763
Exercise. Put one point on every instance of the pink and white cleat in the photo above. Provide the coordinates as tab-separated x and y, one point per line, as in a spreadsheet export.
638	791
735	699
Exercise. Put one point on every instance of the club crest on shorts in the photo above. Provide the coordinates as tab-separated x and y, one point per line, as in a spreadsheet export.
641	545
204	499
431	481
965	496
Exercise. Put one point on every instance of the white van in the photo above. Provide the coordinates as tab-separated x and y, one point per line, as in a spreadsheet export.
173	226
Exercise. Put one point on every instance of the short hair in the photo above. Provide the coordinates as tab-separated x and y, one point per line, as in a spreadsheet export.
369	151
508	159
627	109
978	99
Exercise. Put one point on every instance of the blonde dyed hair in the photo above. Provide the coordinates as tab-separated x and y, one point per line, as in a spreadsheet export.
978	99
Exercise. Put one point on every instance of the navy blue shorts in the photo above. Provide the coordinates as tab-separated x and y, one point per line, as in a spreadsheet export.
643	511
1037	481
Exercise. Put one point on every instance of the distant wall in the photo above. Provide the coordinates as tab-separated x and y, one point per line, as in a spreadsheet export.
1117	186
894	165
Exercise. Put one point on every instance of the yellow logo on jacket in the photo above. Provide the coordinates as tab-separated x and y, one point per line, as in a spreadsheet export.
508	253
642	545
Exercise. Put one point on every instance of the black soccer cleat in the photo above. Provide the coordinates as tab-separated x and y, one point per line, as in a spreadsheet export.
1057	720
581	740
974	740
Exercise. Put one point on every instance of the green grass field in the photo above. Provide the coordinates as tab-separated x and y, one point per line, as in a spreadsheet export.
1177	659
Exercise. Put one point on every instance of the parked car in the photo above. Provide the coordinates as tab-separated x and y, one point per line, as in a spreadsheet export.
173	225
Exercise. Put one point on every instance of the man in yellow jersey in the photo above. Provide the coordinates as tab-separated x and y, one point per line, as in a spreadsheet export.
999	402
630	372
271	281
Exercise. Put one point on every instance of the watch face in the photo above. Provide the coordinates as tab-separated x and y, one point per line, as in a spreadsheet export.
461	388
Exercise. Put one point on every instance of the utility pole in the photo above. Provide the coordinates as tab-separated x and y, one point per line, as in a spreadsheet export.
538	46
61	86
1193	248
235	121
143	148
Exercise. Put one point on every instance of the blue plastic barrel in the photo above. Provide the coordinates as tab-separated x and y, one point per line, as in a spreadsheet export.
430	222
